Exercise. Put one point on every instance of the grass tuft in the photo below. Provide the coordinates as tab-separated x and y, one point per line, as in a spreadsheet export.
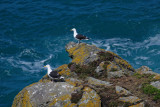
150	90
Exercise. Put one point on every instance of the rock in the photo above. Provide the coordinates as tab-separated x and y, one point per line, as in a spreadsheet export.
112	67
94	81
116	74
44	94
130	99
74	81
122	91
142	104
156	84
64	70
99	70
90	98
145	70
82	53
57	94
45	79
124	65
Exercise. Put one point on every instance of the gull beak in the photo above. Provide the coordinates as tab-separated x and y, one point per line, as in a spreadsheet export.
44	66
71	30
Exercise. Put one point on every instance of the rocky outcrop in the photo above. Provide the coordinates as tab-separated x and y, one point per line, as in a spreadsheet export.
147	70
94	78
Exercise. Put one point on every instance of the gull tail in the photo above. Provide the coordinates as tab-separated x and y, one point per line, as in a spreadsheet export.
87	38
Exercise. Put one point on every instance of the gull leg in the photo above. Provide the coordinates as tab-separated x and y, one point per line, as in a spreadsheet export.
78	41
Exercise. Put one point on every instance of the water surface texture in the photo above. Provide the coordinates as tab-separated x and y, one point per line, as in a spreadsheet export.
34	33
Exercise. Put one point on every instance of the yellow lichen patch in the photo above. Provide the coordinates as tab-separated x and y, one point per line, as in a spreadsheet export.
22	99
122	91
109	66
157	77
89	104
90	98
130	99
114	54
70	82
45	79
65	99
112	67
64	70
123	64
81	52
138	105
101	64
87	89
69	104
61	98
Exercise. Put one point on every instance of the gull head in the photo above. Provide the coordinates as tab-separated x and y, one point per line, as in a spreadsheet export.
47	66
73	29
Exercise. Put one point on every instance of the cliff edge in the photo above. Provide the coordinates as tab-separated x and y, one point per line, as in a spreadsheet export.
94	78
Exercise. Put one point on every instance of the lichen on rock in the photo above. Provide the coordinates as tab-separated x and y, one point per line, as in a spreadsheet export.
130	99
94	78
82	53
90	98
97	82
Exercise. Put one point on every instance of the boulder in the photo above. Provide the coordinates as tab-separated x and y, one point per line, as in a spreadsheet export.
82	53
44	94
90	98
122	91
97	82
130	99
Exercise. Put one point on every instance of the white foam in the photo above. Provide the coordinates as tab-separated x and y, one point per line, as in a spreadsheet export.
27	66
154	40
141	57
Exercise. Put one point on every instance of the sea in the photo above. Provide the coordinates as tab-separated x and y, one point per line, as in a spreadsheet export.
34	33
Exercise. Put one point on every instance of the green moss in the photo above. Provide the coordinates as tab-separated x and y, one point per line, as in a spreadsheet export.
150	90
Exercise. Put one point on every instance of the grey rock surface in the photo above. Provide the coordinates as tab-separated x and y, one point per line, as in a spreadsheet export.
122	91
94	81
43	93
156	84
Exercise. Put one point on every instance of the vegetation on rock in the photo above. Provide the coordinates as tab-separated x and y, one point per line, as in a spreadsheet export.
152	91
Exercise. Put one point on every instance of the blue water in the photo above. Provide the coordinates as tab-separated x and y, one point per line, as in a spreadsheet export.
34	33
